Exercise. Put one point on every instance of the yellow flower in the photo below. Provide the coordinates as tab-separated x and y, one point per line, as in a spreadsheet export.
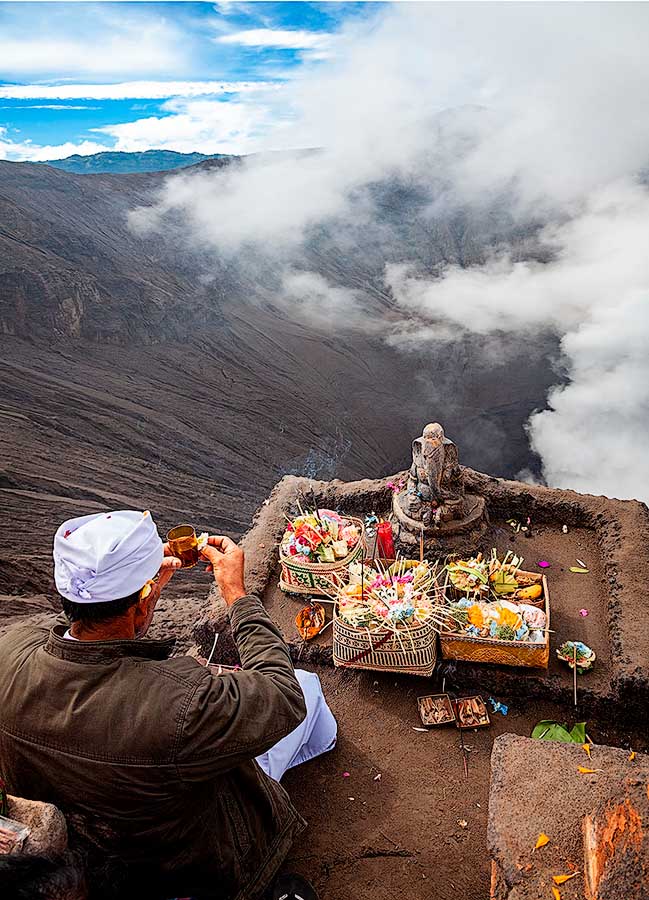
475	616
508	617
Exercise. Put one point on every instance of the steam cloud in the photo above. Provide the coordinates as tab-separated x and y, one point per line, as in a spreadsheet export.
533	113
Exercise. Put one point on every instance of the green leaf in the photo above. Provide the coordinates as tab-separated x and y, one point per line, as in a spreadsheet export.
579	570
504	583
547	730
578	733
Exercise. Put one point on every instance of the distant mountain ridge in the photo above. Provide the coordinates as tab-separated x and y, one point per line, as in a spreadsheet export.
123	163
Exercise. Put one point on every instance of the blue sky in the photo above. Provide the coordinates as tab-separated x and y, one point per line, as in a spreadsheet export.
86	77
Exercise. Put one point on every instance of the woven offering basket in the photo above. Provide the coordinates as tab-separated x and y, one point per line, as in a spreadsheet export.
382	651
316	579
504	653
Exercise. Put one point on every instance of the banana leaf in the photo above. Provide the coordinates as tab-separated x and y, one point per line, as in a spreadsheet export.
547	730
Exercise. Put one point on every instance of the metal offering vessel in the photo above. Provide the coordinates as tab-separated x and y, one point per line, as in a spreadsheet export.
183	544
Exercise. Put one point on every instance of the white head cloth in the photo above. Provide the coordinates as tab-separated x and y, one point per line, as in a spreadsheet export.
106	556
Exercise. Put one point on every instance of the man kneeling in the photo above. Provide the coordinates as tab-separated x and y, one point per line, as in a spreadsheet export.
152	758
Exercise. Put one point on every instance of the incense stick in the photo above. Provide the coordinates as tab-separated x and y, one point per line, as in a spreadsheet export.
216	637
574	670
421	544
465	760
315	506
325	626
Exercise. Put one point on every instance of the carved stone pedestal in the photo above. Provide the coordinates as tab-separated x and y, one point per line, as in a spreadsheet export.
452	535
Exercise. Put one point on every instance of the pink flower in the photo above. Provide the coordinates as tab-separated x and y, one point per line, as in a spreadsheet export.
583	612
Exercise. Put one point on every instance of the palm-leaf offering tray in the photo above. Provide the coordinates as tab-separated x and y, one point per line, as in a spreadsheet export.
387	616
317	548
435	710
497	613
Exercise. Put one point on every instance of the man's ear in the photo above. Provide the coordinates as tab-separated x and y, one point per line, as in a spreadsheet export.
143	609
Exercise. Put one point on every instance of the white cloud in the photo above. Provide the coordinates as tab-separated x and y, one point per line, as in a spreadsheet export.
595	292
131	90
198	125
278	38
122	48
539	104
234	7
26	151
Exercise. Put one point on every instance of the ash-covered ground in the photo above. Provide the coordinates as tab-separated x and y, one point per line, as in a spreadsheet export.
148	372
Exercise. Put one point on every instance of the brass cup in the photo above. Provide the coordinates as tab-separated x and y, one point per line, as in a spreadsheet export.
183	544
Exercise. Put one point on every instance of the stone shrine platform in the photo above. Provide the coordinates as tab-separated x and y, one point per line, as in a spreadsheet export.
611	536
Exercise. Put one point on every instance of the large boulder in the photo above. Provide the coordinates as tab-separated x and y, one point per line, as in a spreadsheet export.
537	788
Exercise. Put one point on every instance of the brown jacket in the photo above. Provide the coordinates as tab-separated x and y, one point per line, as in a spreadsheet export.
151	758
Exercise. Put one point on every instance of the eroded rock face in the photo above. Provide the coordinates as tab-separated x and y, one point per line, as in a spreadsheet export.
145	371
616	846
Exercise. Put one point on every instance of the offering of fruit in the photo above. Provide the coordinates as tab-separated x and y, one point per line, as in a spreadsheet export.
469	576
481	579
533	592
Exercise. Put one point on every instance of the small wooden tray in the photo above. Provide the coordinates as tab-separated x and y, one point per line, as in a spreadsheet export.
471	712
436	709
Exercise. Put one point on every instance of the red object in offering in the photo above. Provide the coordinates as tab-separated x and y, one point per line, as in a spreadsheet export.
385	543
307	533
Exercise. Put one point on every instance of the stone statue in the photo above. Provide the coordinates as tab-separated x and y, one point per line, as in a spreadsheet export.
432	506
434	491
435	465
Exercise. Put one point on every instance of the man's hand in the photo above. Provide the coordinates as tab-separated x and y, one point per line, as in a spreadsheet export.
226	560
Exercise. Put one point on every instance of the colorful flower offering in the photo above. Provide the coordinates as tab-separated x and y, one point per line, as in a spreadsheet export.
397	597
572	651
320	536
501	620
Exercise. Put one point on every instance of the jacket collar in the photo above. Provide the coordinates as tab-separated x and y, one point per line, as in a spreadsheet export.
95	652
